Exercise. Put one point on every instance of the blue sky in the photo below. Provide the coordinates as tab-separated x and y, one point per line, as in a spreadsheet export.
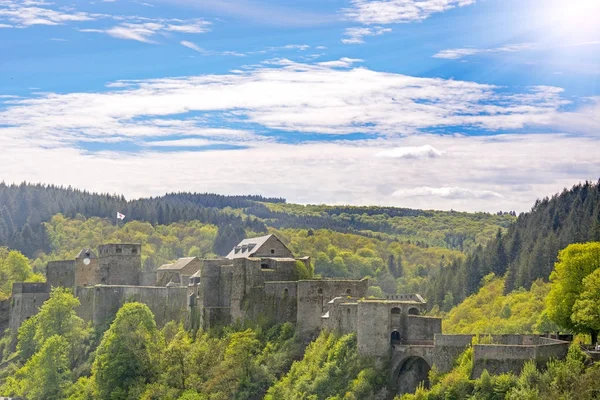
447	104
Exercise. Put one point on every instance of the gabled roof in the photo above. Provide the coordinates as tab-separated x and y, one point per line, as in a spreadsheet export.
86	253
179	264
247	247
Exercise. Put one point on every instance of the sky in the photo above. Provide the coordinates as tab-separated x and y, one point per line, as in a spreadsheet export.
471	105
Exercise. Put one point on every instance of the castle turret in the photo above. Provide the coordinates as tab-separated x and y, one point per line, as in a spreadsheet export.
120	264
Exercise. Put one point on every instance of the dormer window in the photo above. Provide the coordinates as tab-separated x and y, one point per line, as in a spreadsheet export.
237	249
244	248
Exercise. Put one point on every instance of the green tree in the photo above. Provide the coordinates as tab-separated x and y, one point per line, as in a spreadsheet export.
47	375
586	310
575	263
128	353
56	317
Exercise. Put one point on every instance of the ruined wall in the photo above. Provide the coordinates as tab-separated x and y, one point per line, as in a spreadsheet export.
120	264
421	329
61	273
26	302
101	303
313	296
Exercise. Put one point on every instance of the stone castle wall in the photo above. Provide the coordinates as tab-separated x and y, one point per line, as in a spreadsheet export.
313	295
61	273
26	302
87	275
100	304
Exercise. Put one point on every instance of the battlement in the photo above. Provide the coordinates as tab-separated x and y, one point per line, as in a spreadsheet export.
120	249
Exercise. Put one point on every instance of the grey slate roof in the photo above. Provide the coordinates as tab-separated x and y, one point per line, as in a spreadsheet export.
84	253
177	265
248	247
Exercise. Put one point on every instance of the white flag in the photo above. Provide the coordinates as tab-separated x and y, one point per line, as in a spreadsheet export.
120	216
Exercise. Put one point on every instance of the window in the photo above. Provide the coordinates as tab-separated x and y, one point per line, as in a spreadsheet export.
320	291
272	251
119	250
134	251
413	311
348	311
349	292
285	292
264	266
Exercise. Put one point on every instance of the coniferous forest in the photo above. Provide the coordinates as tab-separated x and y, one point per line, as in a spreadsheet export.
482	273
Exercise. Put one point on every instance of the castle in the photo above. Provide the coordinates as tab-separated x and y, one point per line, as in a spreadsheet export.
261	280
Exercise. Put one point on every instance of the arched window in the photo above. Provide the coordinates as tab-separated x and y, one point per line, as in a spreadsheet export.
349	292
348	311
285	292
395	337
413	311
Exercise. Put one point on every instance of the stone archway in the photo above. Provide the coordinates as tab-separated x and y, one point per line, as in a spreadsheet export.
413	311
411	372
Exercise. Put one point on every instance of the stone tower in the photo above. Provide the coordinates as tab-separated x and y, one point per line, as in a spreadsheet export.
87	272
119	264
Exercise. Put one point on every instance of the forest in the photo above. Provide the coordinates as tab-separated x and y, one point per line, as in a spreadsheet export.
482	273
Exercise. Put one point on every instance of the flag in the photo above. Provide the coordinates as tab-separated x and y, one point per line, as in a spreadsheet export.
120	216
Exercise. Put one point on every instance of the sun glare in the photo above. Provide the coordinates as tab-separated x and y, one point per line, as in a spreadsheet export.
572	20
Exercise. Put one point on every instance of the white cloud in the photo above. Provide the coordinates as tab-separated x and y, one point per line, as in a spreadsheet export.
356	35
145	31
344	62
425	151
447	193
371	12
23	14
455	54
328	98
519	168
192	46
180	143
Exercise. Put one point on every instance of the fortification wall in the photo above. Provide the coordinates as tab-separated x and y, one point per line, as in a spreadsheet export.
101	303
61	273
26	302
343	317
421	329
4	315
499	359
276	270
273	303
313	296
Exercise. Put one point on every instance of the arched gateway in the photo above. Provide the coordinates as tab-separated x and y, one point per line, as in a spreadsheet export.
410	373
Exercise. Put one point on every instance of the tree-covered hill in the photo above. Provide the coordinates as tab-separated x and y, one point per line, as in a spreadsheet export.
526	251
25	207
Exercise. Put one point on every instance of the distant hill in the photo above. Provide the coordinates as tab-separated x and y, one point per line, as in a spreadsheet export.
528	249
24	207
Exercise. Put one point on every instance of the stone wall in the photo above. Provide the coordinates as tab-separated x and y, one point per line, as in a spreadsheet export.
374	330
273	247
421	330
101	303
61	273
4	315
120	264
342	316
86	275
313	296
26	302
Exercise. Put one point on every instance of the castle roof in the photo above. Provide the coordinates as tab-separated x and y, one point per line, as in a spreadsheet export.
179	264
247	247
86	253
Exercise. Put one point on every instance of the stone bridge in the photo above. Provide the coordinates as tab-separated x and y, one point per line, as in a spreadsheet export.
411	362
